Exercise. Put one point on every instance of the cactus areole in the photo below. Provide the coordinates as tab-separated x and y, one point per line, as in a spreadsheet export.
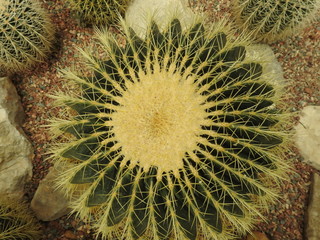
174	136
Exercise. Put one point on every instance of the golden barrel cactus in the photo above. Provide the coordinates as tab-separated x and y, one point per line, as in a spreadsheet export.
16	221
99	12
174	136
272	20
26	34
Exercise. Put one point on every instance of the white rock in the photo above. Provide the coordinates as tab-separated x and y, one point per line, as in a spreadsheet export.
16	152
48	202
10	101
307	135
140	12
264	54
313	213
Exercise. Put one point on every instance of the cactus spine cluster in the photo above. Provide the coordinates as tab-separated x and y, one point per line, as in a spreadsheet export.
16	222
25	34
174	136
271	20
99	12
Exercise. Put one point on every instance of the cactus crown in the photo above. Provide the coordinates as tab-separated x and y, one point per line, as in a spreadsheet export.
271	20
174	136
99	12
25	34
16	222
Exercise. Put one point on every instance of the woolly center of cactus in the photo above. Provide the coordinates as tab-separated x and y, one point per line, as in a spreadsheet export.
159	121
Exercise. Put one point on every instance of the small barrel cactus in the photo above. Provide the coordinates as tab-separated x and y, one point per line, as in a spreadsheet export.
25	34
16	222
174	136
99	12
272	20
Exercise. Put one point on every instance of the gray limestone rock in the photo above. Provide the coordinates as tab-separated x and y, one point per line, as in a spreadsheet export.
270	63
10	101
313	213
16	152
141	11
307	135
48	202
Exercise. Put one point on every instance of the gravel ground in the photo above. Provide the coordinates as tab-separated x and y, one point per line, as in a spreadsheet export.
299	57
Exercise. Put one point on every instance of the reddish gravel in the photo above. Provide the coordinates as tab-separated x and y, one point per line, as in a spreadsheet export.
299	57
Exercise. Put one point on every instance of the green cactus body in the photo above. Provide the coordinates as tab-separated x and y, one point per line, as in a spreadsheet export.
272	20
25	34
173	137
16	222
99	12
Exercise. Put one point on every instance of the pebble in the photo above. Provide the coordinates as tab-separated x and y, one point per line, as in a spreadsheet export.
308	90
70	235
257	236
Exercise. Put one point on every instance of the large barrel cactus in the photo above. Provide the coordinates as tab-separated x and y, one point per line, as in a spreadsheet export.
271	20
99	12
25	34
174	136
16	222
